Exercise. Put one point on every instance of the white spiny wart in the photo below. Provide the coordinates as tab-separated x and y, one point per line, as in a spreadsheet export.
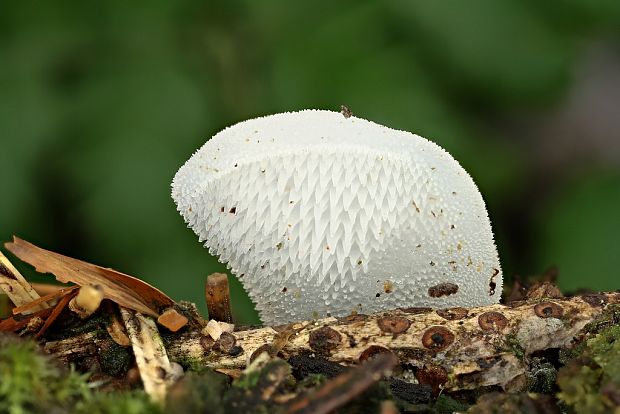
318	214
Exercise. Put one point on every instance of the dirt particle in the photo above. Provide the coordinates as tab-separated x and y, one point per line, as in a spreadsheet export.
222	209
388	286
233	210
284	289
492	321
492	284
443	289
437	338
345	111
279	246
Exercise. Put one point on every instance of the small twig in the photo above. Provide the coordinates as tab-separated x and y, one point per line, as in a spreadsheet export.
16	287
44	299
217	294
60	306
151	357
344	387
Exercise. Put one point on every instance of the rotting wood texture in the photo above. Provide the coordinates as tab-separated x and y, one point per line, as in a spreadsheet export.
457	348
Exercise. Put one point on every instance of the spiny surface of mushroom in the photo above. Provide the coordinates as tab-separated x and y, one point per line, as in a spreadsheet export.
319	214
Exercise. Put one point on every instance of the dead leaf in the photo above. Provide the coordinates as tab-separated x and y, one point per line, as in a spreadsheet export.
125	290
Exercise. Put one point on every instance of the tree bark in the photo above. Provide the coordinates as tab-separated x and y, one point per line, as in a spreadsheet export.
453	349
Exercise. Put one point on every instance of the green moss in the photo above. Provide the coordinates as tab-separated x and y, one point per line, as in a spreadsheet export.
312	381
198	393
115	360
541	376
32	382
513	345
590	382
117	403
448	405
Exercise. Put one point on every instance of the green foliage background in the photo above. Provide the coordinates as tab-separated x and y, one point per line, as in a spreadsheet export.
101	102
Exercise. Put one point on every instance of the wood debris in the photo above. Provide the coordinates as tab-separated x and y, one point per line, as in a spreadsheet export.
16	287
344	387
151	357
217	295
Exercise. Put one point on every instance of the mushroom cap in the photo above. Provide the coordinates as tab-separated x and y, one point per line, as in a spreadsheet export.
318	214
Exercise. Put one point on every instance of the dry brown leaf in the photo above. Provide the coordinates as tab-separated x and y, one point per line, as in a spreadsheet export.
123	289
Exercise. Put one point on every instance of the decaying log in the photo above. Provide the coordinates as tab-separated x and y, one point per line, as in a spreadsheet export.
452	349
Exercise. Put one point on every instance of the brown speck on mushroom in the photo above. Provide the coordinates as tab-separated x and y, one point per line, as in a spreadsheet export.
443	289
284	289
279	246
222	209
492	321
492	284
345	111
417	209
388	286
233	210
437	338
432	263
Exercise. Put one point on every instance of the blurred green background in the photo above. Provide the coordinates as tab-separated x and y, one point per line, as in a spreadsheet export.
101	103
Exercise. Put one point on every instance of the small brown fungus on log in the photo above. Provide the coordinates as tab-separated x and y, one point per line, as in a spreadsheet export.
432	375
492	321
443	289
393	324
226	344
437	338
372	351
324	340
548	310
452	314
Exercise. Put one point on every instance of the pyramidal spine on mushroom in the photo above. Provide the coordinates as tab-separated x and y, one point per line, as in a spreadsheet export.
318	214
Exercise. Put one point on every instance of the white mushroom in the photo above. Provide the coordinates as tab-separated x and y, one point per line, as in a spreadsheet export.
319	214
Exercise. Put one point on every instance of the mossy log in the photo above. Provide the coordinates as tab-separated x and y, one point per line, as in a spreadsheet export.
451	349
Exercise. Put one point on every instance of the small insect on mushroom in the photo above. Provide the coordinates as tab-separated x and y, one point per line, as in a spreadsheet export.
371	204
